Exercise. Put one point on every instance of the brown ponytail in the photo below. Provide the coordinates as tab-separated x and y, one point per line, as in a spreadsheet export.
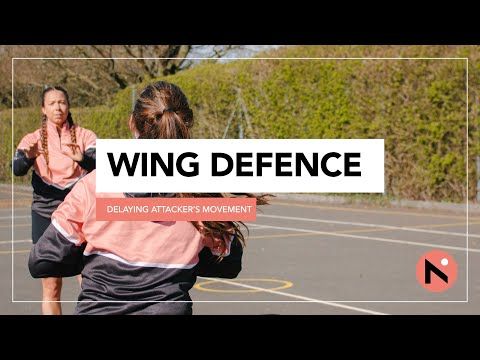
170	126
162	112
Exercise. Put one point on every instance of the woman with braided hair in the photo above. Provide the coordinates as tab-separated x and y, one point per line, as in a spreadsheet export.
61	153
139	267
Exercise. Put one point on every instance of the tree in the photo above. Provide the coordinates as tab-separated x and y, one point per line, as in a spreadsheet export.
92	82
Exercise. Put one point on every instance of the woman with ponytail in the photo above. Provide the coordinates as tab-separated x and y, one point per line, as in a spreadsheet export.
139	267
61	153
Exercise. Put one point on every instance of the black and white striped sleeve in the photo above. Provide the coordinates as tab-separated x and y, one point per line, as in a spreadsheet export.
55	255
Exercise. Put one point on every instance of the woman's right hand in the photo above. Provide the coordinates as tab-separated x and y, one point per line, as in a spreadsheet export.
33	150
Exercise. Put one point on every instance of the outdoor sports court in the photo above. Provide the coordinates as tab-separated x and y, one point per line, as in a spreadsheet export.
301	258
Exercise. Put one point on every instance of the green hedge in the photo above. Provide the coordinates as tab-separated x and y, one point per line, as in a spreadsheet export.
417	106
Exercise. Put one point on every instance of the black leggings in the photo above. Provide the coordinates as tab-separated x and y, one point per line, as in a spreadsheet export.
39	225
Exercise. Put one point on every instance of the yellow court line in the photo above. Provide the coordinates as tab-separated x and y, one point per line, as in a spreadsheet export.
15	252
286	285
16	189
280	235
16	225
17	199
369	211
16	192
18	205
21	192
424	227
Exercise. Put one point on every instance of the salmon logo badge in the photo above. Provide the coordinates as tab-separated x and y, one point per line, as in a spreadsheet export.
436	271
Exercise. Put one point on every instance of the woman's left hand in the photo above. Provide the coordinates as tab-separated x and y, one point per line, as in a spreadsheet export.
73	152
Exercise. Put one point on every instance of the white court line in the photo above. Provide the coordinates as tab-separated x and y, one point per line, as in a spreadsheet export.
403	242
304	298
15	241
16	217
404	228
16	208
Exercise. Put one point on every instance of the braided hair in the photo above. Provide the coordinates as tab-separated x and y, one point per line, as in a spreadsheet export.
44	133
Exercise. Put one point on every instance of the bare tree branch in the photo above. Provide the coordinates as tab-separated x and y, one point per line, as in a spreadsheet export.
74	74
94	81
